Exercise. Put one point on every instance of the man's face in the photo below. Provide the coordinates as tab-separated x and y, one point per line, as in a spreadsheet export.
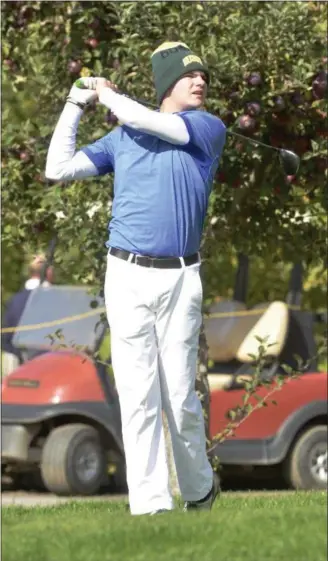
190	91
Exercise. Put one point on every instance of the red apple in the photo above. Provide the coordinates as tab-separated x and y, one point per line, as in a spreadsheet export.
92	42
24	156
246	123
254	79
74	66
279	103
253	108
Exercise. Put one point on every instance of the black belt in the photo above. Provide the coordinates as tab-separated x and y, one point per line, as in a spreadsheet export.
155	262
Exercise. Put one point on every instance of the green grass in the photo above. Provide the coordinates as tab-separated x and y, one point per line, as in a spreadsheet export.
290	527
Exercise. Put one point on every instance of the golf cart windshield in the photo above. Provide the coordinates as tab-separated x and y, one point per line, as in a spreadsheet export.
61	317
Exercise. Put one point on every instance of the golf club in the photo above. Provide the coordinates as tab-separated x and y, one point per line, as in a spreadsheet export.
289	161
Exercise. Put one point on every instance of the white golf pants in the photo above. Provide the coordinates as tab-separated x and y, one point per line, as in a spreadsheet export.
155	317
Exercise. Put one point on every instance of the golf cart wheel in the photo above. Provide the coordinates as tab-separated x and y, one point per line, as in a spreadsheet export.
73	461
306	465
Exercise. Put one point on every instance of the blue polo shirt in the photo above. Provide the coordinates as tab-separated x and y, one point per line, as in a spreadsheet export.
161	190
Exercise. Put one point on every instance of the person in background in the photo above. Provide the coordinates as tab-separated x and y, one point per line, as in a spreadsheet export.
11	357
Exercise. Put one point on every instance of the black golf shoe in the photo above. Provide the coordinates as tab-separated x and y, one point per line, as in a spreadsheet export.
207	502
160	511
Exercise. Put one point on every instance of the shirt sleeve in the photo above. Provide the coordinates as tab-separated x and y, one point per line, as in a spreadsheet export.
101	154
206	132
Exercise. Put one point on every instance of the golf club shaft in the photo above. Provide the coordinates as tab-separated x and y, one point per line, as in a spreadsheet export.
254	141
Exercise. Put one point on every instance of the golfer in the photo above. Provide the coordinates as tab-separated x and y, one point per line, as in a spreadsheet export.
163	163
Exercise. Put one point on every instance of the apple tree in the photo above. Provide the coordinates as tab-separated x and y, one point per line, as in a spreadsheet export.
268	81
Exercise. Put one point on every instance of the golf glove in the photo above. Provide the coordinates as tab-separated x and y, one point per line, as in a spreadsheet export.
82	96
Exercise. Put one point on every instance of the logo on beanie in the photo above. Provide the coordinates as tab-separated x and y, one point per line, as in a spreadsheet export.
191	58
170	47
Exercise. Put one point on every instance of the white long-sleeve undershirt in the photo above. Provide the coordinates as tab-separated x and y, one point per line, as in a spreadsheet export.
167	126
64	163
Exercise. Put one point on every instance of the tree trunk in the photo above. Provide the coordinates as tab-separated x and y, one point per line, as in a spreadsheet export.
202	386
173	480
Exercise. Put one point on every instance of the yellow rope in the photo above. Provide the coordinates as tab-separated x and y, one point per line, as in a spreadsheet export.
96	311
241	313
33	327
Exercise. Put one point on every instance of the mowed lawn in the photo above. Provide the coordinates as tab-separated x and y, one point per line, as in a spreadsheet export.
287	527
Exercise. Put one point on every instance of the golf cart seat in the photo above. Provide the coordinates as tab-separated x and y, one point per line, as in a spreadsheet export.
273	325
266	321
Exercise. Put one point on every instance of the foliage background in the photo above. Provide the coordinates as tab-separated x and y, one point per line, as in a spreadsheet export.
253	208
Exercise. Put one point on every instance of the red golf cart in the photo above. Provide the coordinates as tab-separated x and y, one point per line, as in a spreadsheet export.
289	438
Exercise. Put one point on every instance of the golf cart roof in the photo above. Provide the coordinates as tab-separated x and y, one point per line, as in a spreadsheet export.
61	317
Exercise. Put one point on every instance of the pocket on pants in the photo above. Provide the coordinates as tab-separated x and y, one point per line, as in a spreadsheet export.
115	289
194	273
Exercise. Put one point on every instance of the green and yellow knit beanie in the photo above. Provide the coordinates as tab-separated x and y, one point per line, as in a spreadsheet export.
170	61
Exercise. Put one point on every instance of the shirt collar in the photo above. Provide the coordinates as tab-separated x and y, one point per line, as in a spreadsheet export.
34	283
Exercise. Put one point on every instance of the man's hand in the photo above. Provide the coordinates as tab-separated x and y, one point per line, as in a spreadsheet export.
103	83
86	90
85	94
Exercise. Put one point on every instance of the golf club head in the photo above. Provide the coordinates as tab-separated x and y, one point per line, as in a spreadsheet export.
289	161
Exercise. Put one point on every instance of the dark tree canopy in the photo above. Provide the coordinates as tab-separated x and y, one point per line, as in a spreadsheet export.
268	81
